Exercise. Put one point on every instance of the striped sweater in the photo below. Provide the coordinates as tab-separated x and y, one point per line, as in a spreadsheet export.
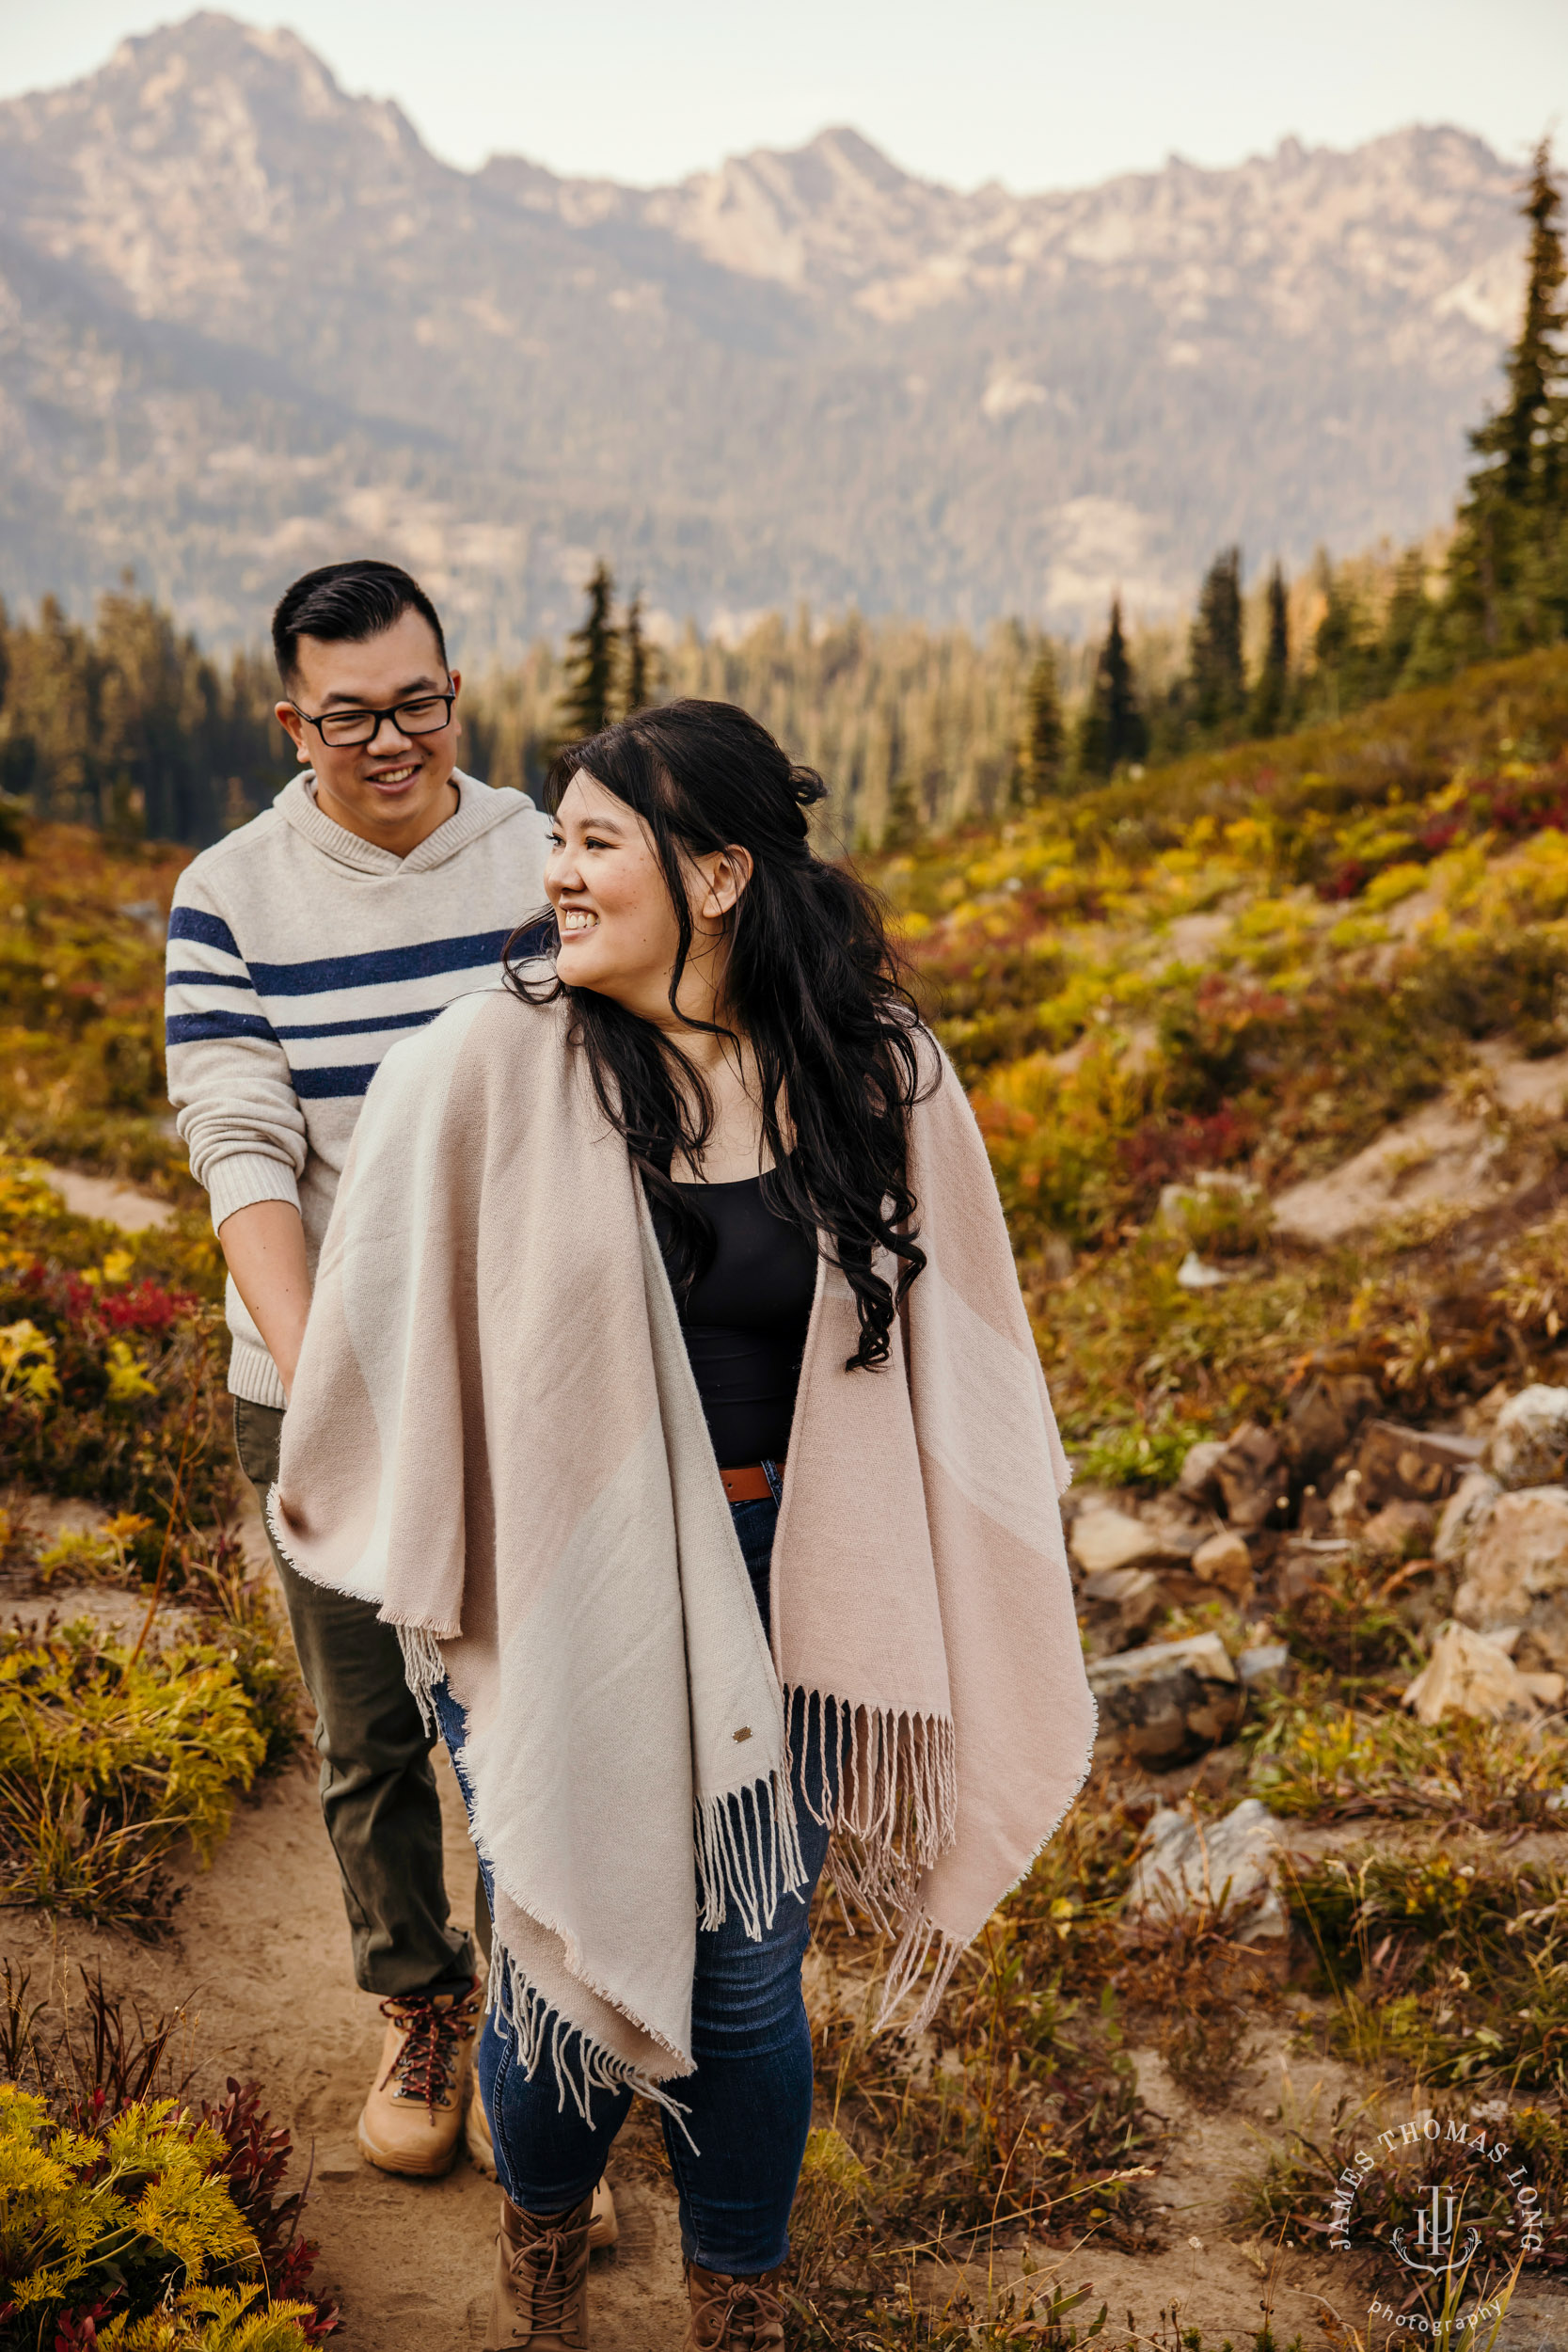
297	954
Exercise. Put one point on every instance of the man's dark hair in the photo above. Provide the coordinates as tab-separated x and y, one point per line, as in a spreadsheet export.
346	603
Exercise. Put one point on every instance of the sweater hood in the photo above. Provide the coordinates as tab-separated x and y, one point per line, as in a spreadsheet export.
480	809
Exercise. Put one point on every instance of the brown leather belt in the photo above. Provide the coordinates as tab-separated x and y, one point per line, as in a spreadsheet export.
749	1483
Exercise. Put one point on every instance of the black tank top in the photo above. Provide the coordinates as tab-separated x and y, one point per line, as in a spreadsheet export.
745	1319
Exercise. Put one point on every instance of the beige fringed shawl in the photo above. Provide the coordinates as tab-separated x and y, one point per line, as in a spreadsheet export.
496	1436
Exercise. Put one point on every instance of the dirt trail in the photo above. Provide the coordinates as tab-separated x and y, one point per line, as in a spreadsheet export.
260	1960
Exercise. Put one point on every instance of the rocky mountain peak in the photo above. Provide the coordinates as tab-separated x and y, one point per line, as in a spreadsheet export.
248	320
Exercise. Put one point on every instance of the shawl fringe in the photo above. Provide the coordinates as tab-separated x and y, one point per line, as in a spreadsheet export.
921	1938
894	1807
424	1670
580	2065
749	1854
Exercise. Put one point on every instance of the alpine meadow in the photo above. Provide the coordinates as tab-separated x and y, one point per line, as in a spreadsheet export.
1235	886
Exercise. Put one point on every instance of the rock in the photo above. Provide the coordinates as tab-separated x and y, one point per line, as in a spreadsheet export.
1168	1700
1194	1275
1187	1864
1529	1444
1467	1675
1400	1531
1465	1515
1302	1562
1225	1561
1250	1476
1411	1465
1324	1416
1268	1667
1120	1604
1516	1574
1180	1524
1197	1480
1106	1538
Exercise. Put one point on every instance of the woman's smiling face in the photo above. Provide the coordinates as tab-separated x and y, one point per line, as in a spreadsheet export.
618	931
619	936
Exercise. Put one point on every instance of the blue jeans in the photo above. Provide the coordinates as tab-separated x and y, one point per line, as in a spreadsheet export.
748	2106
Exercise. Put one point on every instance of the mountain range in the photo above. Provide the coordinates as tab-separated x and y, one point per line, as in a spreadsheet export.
249	322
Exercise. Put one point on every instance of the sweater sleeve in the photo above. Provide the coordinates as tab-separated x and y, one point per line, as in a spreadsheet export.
228	1077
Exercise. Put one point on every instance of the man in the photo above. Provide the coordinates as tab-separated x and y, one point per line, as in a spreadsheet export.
381	883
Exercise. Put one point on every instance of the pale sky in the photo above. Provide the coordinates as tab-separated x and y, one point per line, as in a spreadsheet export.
1037	93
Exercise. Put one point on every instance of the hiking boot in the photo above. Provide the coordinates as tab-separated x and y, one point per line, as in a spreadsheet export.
603	2229
733	2314
541	2291
413	2117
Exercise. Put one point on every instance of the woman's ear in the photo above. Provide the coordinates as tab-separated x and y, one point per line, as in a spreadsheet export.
725	876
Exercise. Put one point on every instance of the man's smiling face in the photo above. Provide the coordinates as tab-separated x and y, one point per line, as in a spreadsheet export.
395	790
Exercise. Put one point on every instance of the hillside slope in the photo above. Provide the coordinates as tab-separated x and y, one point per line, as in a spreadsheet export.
1210	990
247	321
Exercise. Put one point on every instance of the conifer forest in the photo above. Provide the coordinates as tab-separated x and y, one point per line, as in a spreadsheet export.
1248	939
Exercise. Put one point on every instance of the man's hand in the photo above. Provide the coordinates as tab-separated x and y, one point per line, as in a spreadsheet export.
264	1245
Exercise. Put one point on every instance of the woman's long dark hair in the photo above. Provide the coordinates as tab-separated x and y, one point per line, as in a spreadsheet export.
812	980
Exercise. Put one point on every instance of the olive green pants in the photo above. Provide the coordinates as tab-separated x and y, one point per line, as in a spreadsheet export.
379	1788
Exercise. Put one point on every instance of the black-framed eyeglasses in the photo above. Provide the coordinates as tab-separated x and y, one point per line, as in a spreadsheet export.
426	715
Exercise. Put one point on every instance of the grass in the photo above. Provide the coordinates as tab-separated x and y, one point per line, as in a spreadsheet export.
1442	1972
1320	1765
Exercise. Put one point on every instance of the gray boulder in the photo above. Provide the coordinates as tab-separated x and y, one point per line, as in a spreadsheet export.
1168	1700
1191	1865
1516	1576
1465	1515
1267	1666
1197	1480
1118	1605
1529	1444
1253	1476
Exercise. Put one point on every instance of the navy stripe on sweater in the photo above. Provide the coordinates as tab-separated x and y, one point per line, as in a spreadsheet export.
358	1028
430	958
346	1078
190	1028
211	930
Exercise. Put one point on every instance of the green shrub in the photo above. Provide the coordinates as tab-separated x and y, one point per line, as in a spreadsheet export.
108	1761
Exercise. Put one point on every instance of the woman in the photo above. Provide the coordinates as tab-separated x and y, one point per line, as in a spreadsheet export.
667	1385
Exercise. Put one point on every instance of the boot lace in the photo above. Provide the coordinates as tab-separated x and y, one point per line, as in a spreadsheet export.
546	2264
749	2315
432	2031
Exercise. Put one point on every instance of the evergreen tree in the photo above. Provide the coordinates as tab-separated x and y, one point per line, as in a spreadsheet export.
591	664
1271	692
1218	681
1343	659
1403	623
1040	771
1112	729
637	685
1508	573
